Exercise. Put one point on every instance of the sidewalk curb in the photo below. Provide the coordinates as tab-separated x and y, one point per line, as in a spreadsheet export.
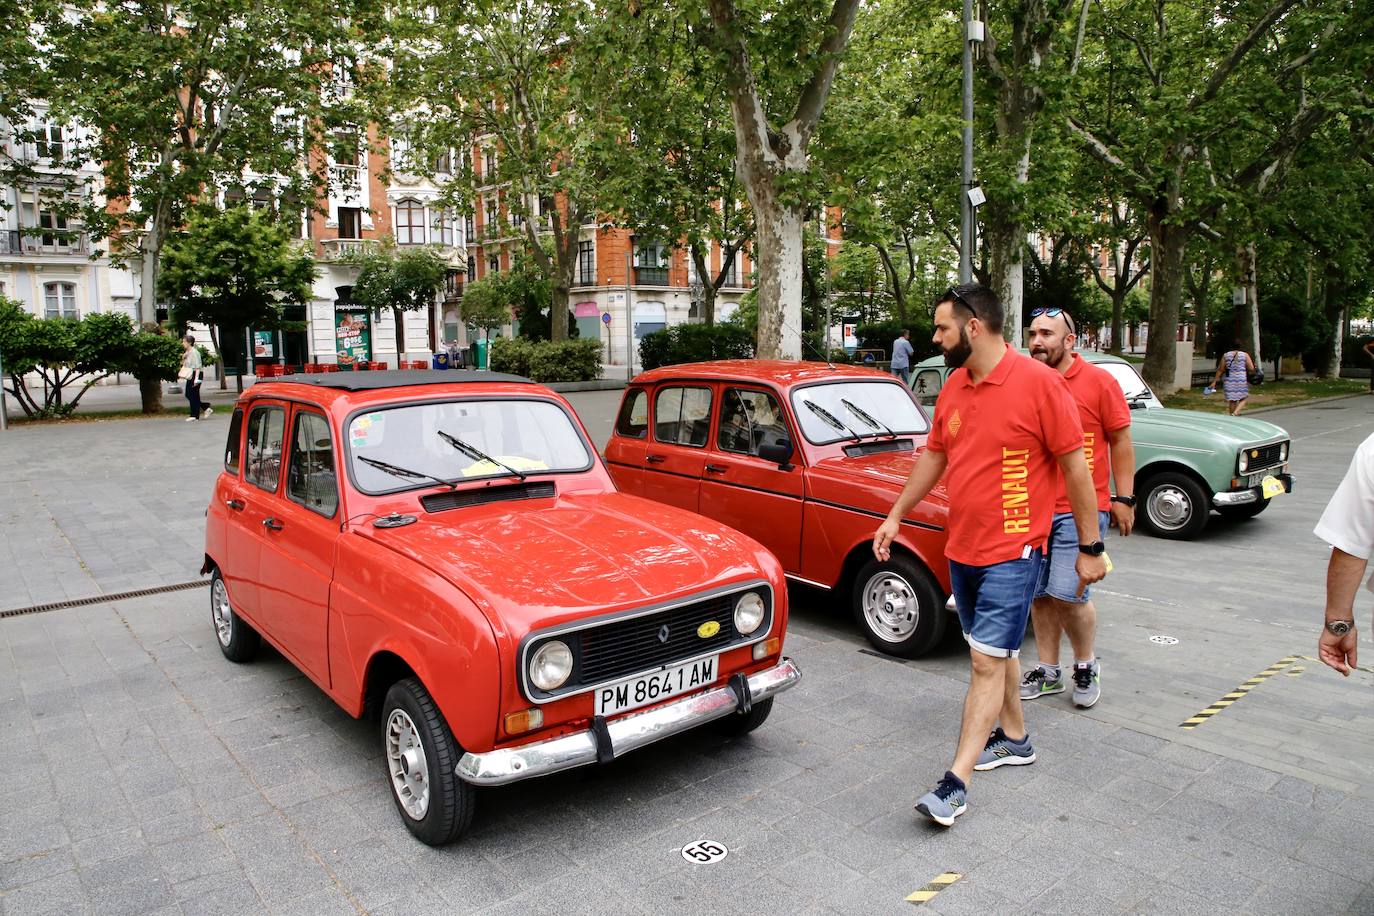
1334	397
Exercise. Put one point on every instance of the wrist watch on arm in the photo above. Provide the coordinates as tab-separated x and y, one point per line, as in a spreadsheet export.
1339	627
1125	500
1095	549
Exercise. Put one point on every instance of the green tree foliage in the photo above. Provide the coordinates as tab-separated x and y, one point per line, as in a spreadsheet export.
547	361
233	269
696	343
401	279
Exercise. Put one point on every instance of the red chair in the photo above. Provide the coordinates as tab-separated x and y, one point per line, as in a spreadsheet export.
262	371
330	367
361	366
378	366
313	369
418	364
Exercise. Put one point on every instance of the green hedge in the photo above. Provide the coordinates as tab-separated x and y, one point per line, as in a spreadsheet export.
695	343
546	361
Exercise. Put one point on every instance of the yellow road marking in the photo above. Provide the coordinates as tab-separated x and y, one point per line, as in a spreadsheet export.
928	891
1283	664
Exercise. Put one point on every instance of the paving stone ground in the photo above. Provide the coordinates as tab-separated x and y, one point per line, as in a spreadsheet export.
140	772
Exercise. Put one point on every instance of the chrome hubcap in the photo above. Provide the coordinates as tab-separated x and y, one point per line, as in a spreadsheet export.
405	756
1170	507
222	613
891	608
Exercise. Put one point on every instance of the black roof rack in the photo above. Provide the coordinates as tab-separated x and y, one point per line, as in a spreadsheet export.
393	378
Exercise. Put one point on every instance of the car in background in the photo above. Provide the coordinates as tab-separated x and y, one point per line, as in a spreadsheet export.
448	551
806	458
1187	462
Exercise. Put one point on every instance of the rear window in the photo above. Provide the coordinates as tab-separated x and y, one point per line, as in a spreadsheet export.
233	447
633	422
265	428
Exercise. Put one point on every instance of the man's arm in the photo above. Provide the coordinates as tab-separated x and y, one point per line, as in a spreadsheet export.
1343	574
1078	481
923	477
1123	474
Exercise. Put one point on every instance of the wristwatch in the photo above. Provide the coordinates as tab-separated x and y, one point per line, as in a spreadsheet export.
1339	627
1095	549
1125	500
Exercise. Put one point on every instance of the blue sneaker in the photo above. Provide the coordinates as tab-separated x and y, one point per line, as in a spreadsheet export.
946	802
1002	751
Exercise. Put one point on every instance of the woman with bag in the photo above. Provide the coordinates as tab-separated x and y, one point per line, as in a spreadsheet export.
1236	368
192	374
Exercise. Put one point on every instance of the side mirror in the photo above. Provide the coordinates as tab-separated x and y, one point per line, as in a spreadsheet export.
780	452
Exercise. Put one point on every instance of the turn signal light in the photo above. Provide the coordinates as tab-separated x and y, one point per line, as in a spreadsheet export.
526	720
766	648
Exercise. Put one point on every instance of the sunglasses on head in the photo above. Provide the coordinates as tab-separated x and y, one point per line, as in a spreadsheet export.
952	295
1055	313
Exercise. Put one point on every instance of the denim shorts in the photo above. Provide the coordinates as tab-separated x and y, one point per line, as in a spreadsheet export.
1058	577
994	602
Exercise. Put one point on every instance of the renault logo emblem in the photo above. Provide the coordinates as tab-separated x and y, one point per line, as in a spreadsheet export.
663	633
708	629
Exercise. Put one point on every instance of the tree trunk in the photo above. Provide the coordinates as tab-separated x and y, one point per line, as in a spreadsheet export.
1336	317
1118	318
778	249
1246	271
1167	246
708	287
433	316
150	389
558	311
1006	244
400	335
894	282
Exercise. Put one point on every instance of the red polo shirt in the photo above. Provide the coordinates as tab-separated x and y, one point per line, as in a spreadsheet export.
1001	437
1102	408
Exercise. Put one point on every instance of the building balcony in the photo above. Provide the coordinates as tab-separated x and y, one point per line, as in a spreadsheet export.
342	249
651	276
453	255
48	244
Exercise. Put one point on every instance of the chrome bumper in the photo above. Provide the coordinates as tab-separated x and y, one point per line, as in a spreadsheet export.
619	736
1253	494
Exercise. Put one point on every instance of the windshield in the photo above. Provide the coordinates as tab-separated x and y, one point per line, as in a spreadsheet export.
876	408
1132	385
506	438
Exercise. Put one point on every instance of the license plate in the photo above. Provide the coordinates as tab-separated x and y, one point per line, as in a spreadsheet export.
651	688
1271	487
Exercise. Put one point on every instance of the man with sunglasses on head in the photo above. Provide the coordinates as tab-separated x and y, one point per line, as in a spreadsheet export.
1062	604
1005	428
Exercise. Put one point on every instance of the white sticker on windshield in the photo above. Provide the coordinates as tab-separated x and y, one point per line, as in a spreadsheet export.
366	431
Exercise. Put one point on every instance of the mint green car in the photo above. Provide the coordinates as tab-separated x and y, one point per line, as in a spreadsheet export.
1187	463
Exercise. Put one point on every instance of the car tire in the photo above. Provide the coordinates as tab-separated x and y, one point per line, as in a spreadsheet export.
1173	506
742	723
899	606
420	754
1245	510
237	640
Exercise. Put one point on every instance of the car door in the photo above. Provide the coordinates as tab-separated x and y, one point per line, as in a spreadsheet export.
225	503
299	541
629	442
250	505
745	491
926	386
680	427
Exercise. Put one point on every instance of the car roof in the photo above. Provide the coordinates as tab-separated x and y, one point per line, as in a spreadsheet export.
389	378
779	372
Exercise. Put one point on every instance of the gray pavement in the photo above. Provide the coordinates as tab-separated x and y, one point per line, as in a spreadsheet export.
142	773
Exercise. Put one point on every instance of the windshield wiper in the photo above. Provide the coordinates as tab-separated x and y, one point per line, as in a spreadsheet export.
476	454
867	418
398	471
1141	395
831	419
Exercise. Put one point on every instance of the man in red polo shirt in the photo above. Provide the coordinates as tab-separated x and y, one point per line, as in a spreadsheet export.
1060	603
1005	428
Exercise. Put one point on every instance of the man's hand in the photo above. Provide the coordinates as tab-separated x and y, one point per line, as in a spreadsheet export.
1337	651
1090	570
882	540
1123	517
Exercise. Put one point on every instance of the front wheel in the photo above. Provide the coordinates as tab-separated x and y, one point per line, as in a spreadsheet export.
899	606
742	723
420	755
1175	506
1244	510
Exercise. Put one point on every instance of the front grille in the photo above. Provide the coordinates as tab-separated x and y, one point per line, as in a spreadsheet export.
459	499
619	648
1263	456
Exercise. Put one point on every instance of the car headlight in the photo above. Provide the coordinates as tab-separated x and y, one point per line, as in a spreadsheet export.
551	665
1283	452
1244	460
748	613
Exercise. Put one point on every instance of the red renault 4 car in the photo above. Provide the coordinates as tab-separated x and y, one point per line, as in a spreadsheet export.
447	549
806	458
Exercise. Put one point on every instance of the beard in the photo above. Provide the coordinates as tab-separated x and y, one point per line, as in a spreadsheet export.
1051	358
958	354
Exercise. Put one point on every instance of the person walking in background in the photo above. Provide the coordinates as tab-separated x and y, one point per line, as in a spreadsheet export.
1059	605
1348	526
192	374
902	351
1005	428
1233	377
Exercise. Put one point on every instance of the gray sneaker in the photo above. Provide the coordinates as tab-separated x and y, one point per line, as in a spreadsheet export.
1038	683
1087	684
1002	751
947	801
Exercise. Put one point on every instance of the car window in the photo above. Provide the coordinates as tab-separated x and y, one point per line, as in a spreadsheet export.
682	416
233	447
265	426
831	411
927	385
310	478
633	421
1132	385
749	419
500	435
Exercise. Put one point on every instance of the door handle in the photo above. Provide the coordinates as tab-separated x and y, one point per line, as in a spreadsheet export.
655	459
271	524
235	504
716	469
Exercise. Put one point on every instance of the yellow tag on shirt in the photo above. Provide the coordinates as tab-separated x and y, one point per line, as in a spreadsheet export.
1271	486
1108	561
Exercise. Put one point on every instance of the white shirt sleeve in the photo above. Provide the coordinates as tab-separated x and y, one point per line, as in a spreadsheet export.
1348	522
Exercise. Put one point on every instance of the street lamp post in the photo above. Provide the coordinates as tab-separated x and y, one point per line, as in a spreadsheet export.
973	31
4	418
